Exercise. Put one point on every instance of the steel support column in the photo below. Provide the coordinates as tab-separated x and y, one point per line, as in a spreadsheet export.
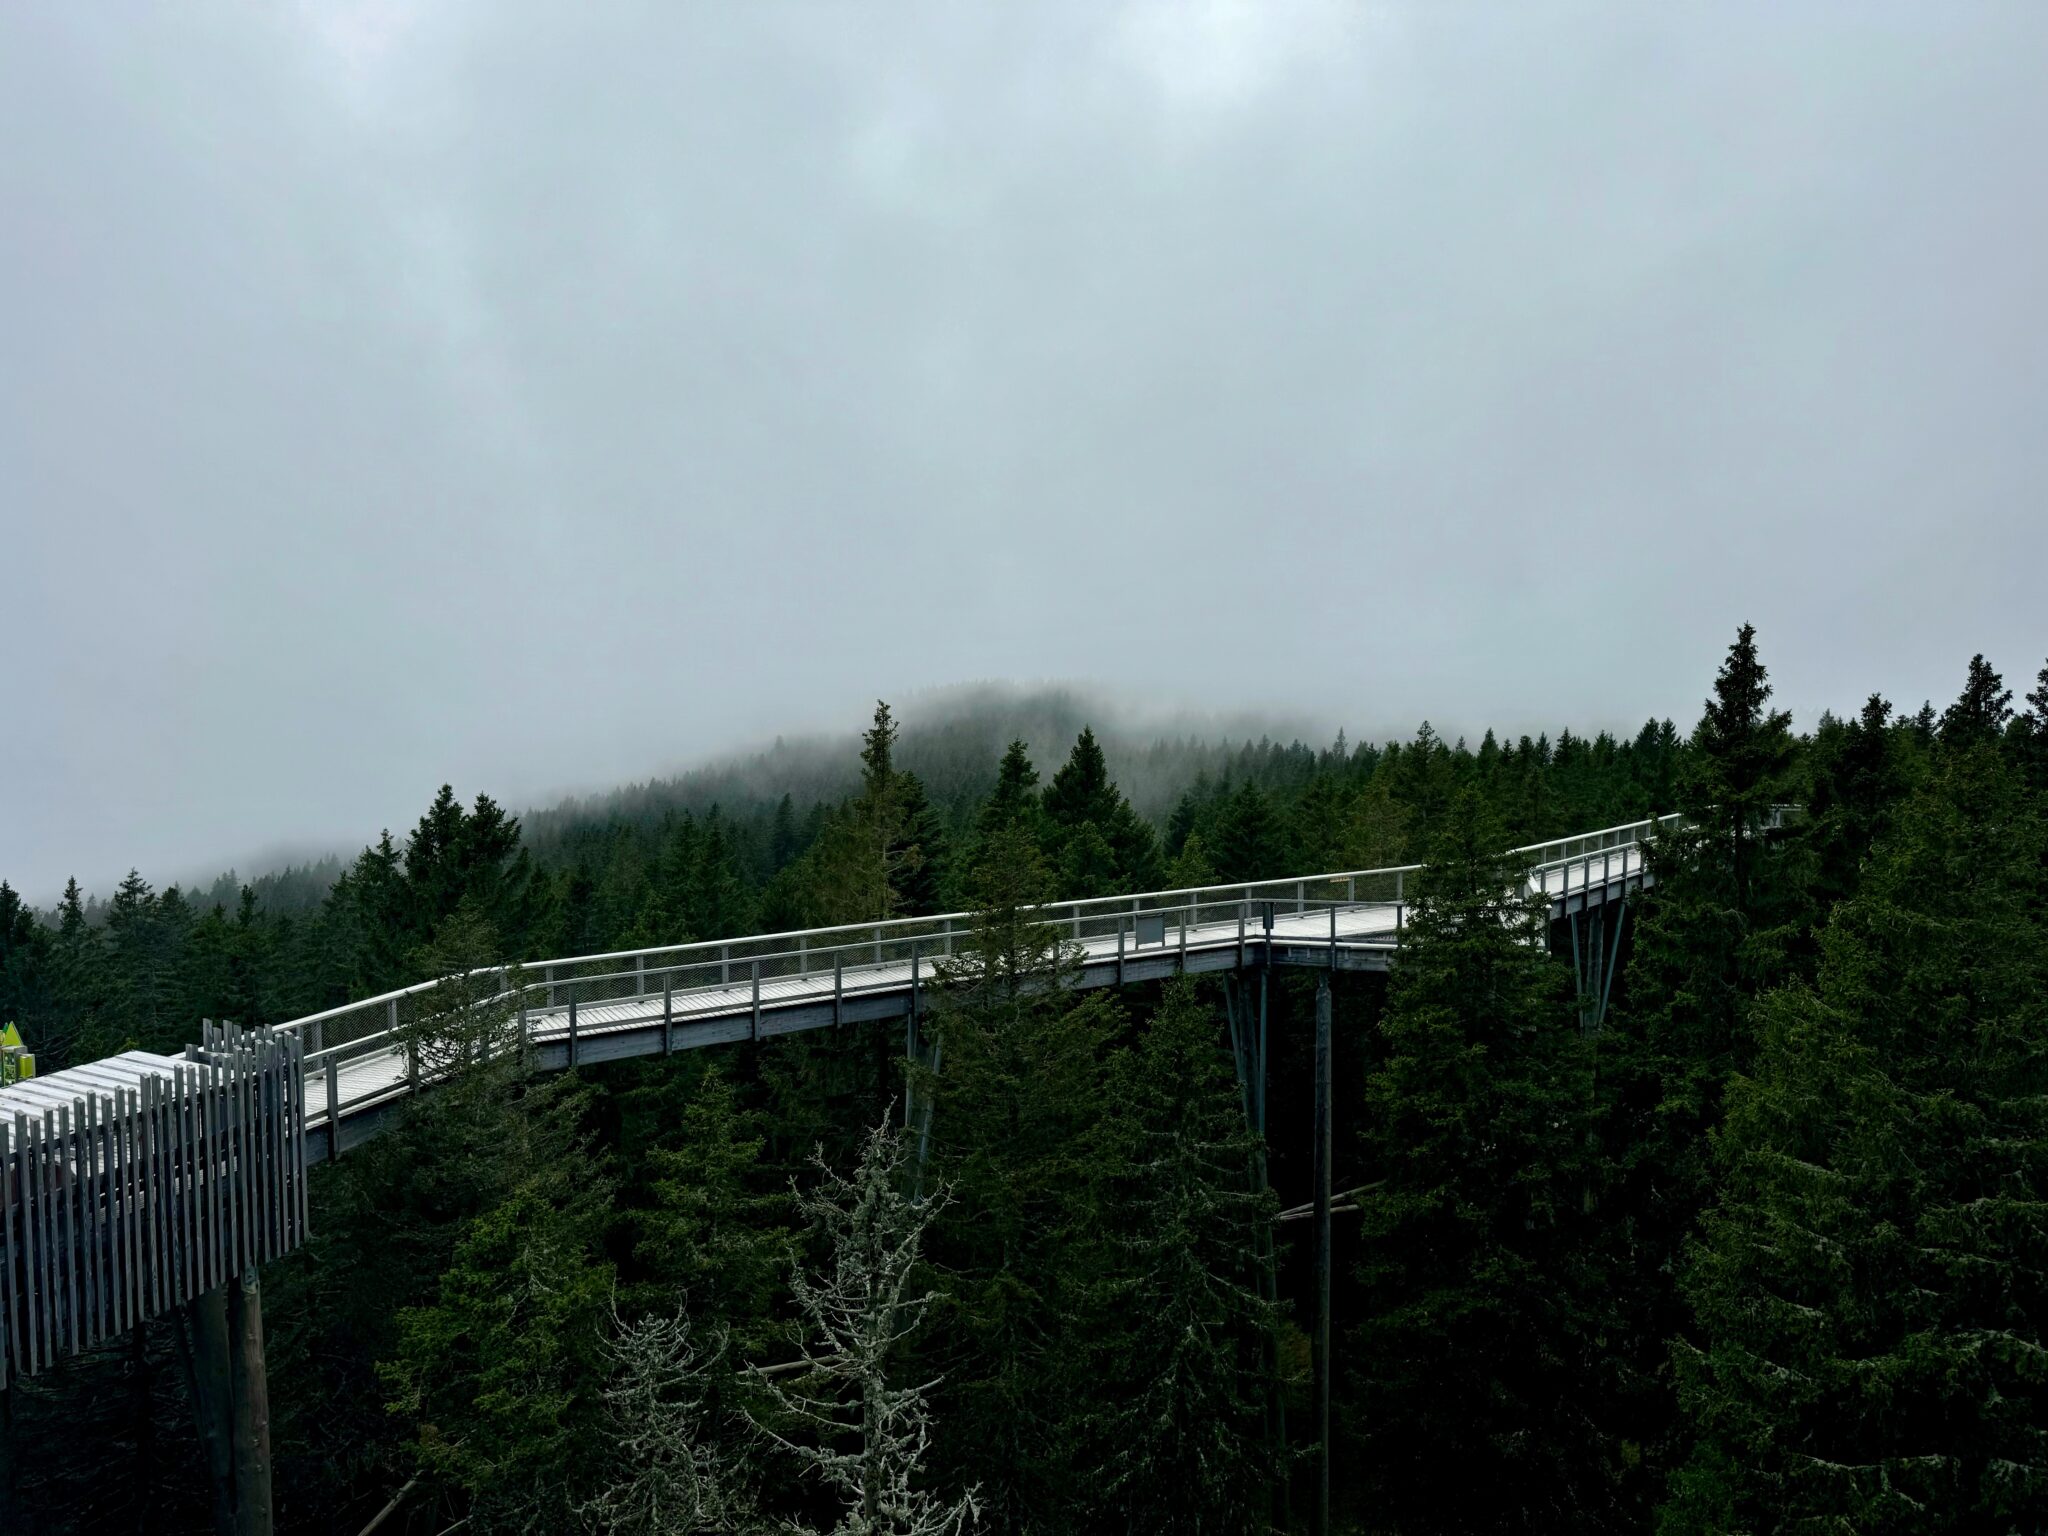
1322	1281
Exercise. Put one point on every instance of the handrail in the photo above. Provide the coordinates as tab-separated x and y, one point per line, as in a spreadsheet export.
883	932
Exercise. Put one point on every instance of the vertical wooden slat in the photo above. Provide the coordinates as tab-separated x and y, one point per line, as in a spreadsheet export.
188	1216
299	1124
280	1106
285	1191
120	1166
103	1158
138	1140
230	1229
10	1338
224	1217
202	1159
8	1357
267	1120
26	1233
110	1227
33	1239
176	1238
67	1252
85	1258
131	1209
152	1201
24	1173
188	1185
45	1271
252	1157
89	1212
295	1131
244	1214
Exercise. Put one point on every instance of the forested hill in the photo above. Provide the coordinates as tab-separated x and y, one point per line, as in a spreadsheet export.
767	843
760	843
951	740
1762	1249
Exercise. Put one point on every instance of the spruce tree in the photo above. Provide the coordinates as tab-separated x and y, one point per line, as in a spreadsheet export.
1099	845
1014	800
1172	1437
1858	780
1477	1368
1872	1284
2032	739
1723	919
1980	711
495	1370
1016	1107
712	1242
1251	839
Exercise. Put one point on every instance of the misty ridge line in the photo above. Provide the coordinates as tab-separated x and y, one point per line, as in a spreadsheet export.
950	737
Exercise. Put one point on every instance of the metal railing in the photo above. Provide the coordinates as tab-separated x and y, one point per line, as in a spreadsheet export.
357	1053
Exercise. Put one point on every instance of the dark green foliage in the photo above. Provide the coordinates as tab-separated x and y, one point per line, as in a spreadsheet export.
711	1239
1725	919
2030	736
1980	711
1858	775
1016	1125
1848	1002
1478	1363
1250	839
1097	844
1872	1284
496	1371
919	853
1173	1438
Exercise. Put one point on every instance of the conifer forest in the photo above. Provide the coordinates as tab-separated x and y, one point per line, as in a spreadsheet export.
1762	1246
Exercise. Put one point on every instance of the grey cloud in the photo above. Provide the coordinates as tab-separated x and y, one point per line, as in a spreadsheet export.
538	396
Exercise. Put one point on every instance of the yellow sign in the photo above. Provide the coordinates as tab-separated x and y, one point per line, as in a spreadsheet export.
16	1063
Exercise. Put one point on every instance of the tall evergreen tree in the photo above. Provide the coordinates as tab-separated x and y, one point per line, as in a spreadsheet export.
1098	844
1980	711
712	1241
1478	1365
1016	1110
1172	1437
1720	924
1872	1284
2033	735
1858	778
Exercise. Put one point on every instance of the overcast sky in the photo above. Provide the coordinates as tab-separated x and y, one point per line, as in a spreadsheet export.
540	396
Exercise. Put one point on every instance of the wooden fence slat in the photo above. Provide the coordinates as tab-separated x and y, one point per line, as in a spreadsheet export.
9	1341
89	1203
181	1187
273	1159
154	1202
118	1168
281	1166
45	1288
216	1210
245	1225
181	1107
109	1215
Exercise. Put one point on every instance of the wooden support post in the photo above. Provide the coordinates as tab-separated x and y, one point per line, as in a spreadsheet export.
213	1401
757	1000
252	1405
1322	1202
572	1031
